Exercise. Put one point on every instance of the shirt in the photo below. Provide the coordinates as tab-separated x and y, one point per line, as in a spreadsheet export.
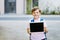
38	35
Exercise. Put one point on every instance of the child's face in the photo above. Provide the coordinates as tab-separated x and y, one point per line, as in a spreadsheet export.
36	14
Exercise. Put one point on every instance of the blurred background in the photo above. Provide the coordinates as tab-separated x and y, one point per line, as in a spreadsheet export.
15	14
18	7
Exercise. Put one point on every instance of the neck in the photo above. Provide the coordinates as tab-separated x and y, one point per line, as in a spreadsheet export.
36	18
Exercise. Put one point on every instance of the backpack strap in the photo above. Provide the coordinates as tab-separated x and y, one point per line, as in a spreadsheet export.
32	20
41	19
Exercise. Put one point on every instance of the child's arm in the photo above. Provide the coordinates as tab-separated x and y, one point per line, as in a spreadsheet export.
45	27
28	28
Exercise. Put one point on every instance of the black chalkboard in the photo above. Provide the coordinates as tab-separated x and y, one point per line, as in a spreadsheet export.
36	27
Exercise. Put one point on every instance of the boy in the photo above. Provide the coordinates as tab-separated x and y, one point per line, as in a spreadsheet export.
37	35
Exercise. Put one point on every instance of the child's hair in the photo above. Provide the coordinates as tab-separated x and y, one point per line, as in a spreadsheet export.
35	8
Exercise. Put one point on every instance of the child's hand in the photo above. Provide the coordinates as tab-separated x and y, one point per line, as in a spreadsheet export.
28	31
45	30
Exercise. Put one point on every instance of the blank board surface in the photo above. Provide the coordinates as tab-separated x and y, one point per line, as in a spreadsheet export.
36	27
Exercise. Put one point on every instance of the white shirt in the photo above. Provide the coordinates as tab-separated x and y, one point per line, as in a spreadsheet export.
38	35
